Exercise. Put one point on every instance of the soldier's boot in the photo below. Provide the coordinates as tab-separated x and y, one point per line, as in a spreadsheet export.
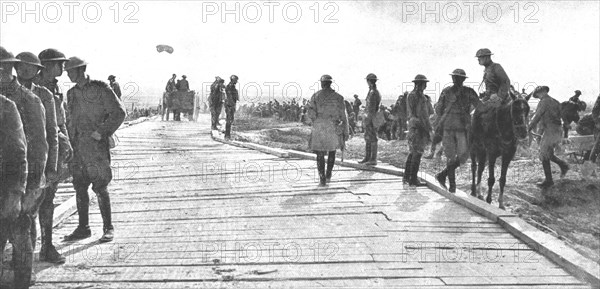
47	252
416	163
83	207
321	169
548	173
407	170
22	253
367	152
105	211
564	167
373	160
330	164
441	177
228	130
452	180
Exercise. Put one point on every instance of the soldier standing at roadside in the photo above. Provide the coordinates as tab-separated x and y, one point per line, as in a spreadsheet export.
216	101
454	112
230	102
95	114
53	62
356	106
114	85
371	108
547	115
33	118
419	127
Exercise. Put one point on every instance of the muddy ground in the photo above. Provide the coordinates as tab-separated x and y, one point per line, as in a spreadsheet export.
570	210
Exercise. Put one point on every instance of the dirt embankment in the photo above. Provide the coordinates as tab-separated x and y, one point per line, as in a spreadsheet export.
570	210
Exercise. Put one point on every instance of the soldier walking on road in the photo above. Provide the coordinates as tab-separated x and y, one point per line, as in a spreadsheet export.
329	126
419	127
33	118
216	101
454	112
230	103
371	108
95	114
114	85
53	62
547	115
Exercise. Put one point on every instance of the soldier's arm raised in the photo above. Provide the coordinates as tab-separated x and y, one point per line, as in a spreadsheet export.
115	111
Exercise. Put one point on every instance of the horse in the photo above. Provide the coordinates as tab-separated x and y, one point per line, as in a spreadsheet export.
569	112
506	124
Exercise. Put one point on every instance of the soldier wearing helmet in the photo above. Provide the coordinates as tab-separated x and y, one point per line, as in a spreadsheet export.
454	118
95	114
230	103
418	106
356	106
53	62
497	83
327	111
33	118
575	98
371	108
114	85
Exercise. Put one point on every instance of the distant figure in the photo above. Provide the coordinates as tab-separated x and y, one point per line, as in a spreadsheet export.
548	116
183	85
171	85
356	106
569	111
216	101
329	127
115	86
399	112
230	103
575	98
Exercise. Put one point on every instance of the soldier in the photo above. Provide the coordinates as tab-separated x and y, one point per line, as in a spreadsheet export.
27	69
329	126
230	102
114	85
497	83
575	98
171	84
95	113
33	118
183	84
547	115
356	106
371	108
419	128
399	112
454	113
215	101
53	62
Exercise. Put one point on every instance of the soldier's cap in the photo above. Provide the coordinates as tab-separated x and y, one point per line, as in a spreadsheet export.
483	52
326	77
371	76
540	89
356	95
51	54
459	72
7	57
111	77
29	58
74	62
233	77
420	78
578	91
183	76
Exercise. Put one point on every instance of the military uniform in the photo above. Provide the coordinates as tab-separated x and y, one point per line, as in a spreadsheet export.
419	127
116	88
547	117
33	118
183	85
230	103
371	108
93	107
216	103
399	113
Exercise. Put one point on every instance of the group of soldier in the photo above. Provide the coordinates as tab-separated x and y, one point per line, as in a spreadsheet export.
223	95
453	121
172	86
43	139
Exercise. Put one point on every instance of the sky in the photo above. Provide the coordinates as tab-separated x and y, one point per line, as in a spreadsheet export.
281	48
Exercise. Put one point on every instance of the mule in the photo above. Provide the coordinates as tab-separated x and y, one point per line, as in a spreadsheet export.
494	134
569	112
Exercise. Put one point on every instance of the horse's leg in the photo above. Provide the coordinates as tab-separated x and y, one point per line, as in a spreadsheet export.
504	170
491	179
482	157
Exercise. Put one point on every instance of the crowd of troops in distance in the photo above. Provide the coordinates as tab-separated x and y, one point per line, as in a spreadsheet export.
44	139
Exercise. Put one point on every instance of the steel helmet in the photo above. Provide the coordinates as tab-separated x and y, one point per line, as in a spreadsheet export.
111	77
483	52
51	54
29	58
459	72
6	57
232	77
541	88
326	77
371	76
578	91
74	62
420	78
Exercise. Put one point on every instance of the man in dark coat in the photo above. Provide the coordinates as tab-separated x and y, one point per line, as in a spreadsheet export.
230	103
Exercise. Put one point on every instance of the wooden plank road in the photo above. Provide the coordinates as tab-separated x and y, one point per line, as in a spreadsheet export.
190	212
